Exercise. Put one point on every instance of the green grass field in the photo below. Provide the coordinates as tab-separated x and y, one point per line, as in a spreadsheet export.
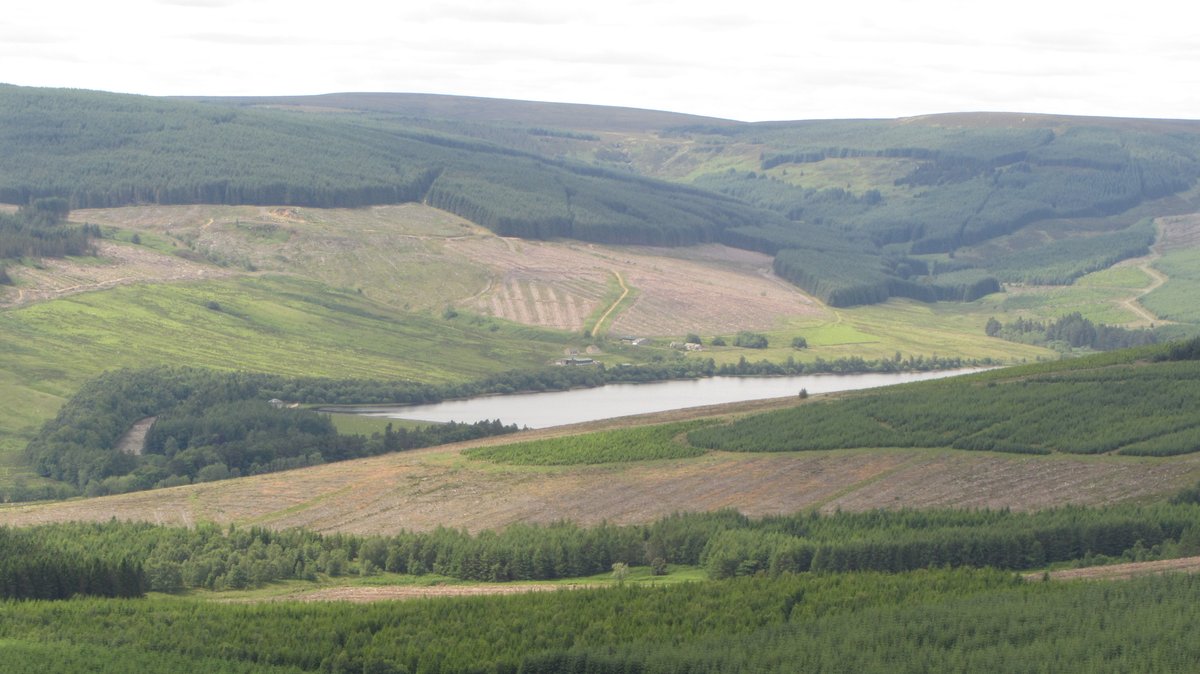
299	589
880	331
854	174
393	254
642	443
617	297
266	324
1177	300
357	424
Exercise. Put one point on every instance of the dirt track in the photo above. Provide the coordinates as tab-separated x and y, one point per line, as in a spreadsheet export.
1123	571
362	595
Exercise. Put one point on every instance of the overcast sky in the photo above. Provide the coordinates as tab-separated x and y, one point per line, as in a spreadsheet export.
750	60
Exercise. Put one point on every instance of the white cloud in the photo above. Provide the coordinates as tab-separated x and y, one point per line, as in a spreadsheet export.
755	59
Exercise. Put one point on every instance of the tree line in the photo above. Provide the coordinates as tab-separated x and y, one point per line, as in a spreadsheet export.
34	566
725	543
100	150
1072	330
208	425
962	190
844	280
927	621
881	578
38	229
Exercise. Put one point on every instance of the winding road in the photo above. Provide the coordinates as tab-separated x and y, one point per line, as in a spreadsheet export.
1134	304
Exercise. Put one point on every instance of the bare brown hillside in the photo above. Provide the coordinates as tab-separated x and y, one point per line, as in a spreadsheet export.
115	264
706	289
416	257
424	489
1123	571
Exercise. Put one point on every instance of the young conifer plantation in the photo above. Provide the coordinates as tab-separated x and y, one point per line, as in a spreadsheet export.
879	592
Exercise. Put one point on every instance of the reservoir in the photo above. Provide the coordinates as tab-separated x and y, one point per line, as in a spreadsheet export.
557	408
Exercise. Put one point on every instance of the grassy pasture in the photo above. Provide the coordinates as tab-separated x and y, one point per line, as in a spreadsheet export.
1100	304
1177	300
266	324
880	331
392	586
855	174
391	254
617	296
1123	277
276	324
358	424
640	443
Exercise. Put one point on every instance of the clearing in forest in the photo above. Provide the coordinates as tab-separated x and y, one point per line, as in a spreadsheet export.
116	264
710	289
416	257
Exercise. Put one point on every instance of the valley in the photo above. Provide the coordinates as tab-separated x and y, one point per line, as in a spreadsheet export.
710	290
174	500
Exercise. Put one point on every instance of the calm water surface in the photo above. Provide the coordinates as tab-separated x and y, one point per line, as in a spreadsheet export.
557	408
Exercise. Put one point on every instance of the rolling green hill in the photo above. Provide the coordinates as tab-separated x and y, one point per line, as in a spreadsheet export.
101	150
856	211
1138	402
279	325
873	208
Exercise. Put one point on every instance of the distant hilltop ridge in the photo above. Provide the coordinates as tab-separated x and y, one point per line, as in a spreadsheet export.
604	117
944	207
479	109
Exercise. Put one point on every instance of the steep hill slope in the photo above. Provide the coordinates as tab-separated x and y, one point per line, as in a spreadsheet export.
398	292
